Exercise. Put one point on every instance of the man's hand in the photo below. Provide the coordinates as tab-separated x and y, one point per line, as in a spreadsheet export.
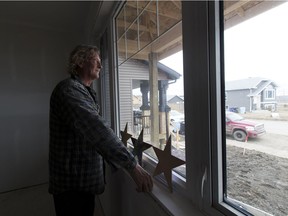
142	179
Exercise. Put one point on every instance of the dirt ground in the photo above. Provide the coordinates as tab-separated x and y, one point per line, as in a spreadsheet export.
258	179
281	114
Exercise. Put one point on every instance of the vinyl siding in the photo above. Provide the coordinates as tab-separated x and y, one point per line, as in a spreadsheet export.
129	71
238	99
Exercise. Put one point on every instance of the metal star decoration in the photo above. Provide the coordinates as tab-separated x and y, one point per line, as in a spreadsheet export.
139	147
125	136
166	163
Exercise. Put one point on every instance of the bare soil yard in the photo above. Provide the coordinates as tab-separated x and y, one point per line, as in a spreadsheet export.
258	179
281	114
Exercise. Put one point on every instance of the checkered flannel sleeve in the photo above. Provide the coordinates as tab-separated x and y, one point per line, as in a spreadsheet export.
80	112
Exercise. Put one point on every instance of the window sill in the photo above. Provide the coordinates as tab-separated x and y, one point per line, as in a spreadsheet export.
173	203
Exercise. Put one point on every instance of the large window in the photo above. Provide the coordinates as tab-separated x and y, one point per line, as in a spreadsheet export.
149	47
232	132
256	141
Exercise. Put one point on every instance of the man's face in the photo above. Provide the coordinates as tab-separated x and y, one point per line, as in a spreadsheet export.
92	67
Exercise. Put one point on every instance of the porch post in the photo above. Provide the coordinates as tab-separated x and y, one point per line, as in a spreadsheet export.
154	115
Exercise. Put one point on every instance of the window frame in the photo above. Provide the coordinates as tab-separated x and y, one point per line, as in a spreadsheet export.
149	163
203	51
266	94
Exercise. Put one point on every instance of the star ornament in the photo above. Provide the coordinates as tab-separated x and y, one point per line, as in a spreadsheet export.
125	136
139	147
166	163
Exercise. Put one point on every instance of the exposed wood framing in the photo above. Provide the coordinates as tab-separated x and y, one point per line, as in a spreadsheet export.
171	41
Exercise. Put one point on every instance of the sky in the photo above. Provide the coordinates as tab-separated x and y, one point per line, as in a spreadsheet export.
257	47
175	62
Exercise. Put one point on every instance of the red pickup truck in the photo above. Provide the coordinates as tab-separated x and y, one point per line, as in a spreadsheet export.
242	129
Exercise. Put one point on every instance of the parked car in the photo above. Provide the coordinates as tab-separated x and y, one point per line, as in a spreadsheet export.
236	126
242	129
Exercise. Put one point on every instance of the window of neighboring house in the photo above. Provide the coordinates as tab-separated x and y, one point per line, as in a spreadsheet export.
256	150
149	44
269	94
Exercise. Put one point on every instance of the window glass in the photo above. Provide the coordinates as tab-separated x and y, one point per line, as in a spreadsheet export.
142	5
105	81
148	24
255	41
168	20
270	94
121	49
150	78
130	11
120	23
132	39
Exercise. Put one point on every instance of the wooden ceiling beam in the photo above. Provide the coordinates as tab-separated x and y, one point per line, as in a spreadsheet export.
177	3
172	36
141	27
177	47
168	44
170	14
235	6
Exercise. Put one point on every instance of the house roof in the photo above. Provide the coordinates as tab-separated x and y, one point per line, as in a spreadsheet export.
170	97
249	83
171	74
262	85
255	84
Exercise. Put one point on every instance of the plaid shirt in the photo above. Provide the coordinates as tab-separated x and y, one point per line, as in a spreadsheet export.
80	139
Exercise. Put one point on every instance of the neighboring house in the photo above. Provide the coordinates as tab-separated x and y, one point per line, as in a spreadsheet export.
250	94
176	102
134	74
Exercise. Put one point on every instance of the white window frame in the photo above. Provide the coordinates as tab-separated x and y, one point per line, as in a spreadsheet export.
149	163
203	84
267	93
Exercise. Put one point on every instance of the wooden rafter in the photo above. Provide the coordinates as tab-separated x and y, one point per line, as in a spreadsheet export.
163	11
171	41
231	6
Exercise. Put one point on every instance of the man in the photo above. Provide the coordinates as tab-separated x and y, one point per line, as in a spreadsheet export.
80	140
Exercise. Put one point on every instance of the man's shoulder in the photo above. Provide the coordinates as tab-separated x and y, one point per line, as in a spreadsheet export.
69	86
68	83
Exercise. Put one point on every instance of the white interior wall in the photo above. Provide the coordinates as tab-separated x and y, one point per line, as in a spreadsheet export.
121	198
33	59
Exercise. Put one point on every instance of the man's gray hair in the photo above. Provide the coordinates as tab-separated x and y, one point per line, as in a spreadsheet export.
80	54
